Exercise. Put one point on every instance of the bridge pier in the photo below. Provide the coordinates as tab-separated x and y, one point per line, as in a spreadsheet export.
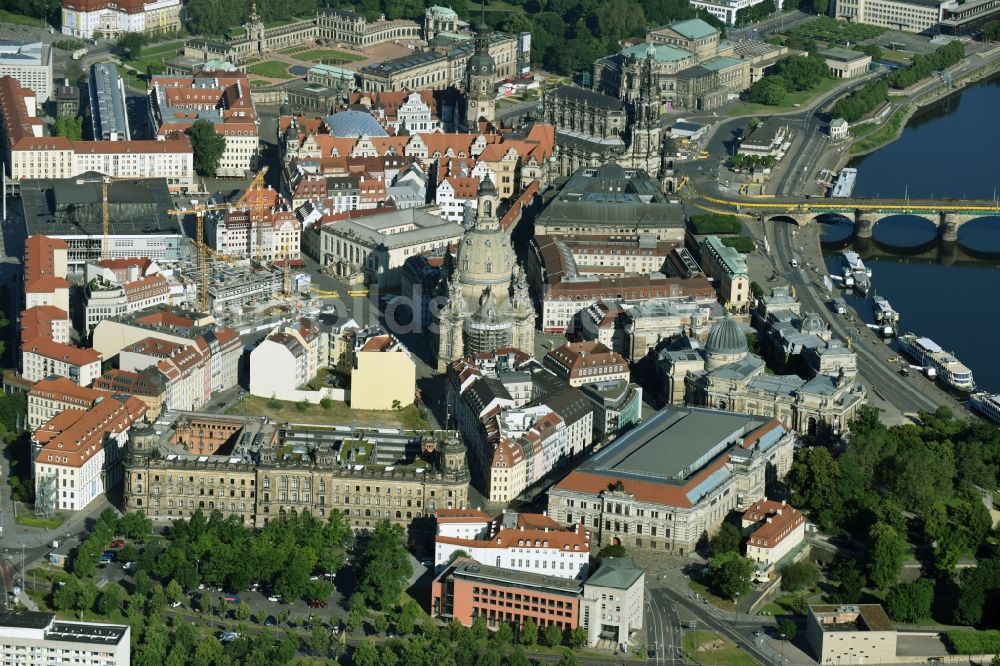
949	226
864	223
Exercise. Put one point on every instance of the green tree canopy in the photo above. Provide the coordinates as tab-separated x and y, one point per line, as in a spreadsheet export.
208	146
729	575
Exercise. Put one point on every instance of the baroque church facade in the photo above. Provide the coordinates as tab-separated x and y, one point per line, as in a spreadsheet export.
488	304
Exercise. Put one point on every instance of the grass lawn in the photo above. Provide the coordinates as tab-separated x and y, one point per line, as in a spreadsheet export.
831	30
783	605
43	523
270	68
168	49
707	647
259	83
718	602
318	55
339	412
791	99
902	57
10	17
884	135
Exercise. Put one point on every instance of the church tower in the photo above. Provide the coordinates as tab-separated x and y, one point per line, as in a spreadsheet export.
644	148
480	79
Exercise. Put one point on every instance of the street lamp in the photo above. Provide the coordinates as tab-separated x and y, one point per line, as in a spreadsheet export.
782	649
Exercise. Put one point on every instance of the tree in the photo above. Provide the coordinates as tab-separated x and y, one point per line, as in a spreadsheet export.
384	565
726	540
729	575
208	146
457	553
354	620
787	629
529	632
366	654
64	597
134	524
612	550
768	90
553	635
320	640
885	556
518	658
174	591
567	658
798	576
991	31
380	623
578	637
71	128
910	602
131	44
243	612
408	615
618	19
110	598
74	72
821	6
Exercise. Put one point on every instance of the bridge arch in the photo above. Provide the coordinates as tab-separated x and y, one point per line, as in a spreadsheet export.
980	236
905	232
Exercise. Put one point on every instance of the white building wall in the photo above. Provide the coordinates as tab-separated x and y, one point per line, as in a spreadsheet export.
547	561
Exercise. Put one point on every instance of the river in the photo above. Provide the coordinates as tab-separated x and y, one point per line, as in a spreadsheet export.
948	149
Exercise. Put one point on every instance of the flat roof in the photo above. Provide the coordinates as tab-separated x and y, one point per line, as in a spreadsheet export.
841	54
474	570
672	444
72	206
17	52
87	632
872	617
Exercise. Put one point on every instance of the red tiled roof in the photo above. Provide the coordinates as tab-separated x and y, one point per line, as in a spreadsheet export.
62	352
461	516
36	322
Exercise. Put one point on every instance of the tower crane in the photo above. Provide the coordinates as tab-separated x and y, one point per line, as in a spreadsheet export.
203	250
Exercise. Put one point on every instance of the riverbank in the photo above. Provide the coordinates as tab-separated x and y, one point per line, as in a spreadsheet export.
896	123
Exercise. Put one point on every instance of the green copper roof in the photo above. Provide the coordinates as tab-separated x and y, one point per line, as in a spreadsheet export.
693	28
664	52
619	573
722	62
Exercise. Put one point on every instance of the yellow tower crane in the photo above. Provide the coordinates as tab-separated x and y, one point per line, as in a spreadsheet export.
203	250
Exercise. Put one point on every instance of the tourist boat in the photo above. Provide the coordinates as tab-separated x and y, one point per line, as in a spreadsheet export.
862	283
987	404
883	311
844	185
928	353
848	278
852	261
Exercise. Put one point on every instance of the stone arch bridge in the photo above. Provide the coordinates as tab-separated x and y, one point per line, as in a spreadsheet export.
947	215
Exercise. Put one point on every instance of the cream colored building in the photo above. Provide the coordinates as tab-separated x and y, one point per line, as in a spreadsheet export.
846	635
113	335
845	63
909	16
289	357
33	638
87	18
54	395
728	267
613	601
382	372
773	529
42	357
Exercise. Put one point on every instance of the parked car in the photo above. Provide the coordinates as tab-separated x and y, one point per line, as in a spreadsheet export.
270	621
117	543
274	597
175	604
233	599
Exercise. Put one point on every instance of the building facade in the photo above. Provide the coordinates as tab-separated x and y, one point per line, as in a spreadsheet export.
270	485
850	634
110	19
30	63
673	479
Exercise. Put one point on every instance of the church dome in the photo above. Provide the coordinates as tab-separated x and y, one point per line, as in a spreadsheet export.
485	257
726	337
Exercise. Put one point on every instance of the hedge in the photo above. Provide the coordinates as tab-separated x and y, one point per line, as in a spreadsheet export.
744	244
974	642
715	223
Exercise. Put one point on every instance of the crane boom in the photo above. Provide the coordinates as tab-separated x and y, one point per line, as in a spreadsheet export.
105	220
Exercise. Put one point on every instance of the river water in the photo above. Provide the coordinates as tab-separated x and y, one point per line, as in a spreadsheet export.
949	149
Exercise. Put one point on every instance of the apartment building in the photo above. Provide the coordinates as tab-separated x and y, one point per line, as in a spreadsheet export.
34	638
45	266
151	386
175	103
30	63
42	357
613	602
45	321
78	453
29	154
52	395
580	363
773	529
377	355
104	300
524	542
289	357
456	195
265	226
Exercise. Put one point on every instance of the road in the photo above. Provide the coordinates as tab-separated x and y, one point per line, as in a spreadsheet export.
906	393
